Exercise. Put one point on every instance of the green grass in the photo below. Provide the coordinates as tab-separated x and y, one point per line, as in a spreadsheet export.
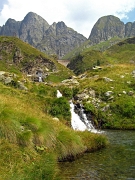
86	46
85	61
31	142
30	58
123	52
120	114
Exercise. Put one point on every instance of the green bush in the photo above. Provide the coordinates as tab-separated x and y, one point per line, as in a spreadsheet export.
67	92
60	108
124	107
90	107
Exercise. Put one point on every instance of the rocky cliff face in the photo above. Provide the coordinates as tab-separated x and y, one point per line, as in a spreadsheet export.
60	39
130	29
11	28
108	27
55	39
32	28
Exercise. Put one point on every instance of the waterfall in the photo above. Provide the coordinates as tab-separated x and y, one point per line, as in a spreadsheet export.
76	122
79	122
59	94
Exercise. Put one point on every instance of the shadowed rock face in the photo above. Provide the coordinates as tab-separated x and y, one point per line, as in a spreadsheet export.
55	39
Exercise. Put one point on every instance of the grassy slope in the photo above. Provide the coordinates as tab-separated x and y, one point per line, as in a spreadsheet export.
118	63
86	58
29	54
85	61
31	142
120	114
30	138
123	52
87	47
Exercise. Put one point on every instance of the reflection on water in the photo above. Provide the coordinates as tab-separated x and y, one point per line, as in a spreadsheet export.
116	162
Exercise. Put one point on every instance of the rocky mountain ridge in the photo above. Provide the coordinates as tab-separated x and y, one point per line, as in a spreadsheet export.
59	39
55	39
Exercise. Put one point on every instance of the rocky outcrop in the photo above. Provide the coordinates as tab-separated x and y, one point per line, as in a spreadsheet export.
19	55
108	27
55	39
33	28
11	28
130	29
11	79
60	39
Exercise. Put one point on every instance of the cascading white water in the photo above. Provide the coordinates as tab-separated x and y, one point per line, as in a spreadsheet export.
76	122
59	94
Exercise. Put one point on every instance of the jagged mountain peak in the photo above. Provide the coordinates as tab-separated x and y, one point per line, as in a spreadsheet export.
31	16
10	21
55	39
61	24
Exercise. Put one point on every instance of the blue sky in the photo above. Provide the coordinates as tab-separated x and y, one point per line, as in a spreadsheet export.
1	4
80	15
131	17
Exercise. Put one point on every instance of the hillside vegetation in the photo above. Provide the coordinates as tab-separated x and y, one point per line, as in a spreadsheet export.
109	96
85	61
122	52
32	139
19	57
87	46
107	87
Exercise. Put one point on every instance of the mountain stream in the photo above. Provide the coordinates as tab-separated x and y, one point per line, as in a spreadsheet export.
116	162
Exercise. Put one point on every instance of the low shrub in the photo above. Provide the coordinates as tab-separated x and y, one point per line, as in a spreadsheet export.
60	108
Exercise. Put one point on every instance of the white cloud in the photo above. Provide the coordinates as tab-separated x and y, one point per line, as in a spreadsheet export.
81	15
